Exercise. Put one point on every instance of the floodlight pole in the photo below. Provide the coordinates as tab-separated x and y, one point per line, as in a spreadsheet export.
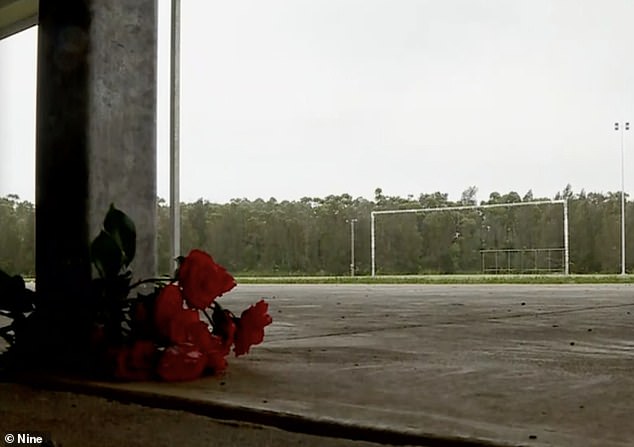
622	129
372	243
352	266
175	209
566	241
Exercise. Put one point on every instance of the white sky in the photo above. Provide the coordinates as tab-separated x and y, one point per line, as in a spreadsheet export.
293	98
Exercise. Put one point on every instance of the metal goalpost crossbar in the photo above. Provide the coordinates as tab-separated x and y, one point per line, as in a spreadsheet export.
373	215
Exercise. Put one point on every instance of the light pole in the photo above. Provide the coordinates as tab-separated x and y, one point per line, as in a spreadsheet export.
175	77
352	268
622	129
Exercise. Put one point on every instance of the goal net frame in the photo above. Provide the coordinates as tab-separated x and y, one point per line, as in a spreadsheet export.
562	202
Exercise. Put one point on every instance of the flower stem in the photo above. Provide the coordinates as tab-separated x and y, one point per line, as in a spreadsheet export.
149	280
211	321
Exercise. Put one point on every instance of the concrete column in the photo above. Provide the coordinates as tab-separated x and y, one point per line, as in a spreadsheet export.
96	134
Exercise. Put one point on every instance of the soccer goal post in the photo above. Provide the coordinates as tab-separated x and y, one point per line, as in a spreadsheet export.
564	203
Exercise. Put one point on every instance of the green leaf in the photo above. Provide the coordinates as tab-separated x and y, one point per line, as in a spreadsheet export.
121	228
14	296
220	320
179	261
106	254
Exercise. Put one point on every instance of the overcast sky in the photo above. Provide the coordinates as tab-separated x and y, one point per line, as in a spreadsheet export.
293	98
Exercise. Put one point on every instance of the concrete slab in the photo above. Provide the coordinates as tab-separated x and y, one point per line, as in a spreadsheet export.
504	365
76	420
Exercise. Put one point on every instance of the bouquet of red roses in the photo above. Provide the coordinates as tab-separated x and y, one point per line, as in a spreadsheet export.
179	331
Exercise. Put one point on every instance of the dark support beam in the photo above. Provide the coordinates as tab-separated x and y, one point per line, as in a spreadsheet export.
96	135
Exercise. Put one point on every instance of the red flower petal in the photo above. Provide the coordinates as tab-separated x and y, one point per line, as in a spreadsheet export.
142	354
134	362
202	279
216	361
179	325
214	347
250	327
181	362
198	334
167	304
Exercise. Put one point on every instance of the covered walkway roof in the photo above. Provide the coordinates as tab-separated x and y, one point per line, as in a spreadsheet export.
17	15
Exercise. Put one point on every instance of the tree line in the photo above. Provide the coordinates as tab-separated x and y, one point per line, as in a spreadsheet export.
312	236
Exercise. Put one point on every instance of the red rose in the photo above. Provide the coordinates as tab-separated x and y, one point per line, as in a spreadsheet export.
179	325
250	327
198	334
142	354
182	362
202	279
214	347
167	304
135	362
216	354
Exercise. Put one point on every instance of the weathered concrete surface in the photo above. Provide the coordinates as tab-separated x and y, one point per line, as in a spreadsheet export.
511	365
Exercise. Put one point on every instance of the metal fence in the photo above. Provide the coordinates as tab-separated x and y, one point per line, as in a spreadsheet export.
523	260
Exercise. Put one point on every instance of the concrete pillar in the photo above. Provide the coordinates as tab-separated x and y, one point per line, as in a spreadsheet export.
96	134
